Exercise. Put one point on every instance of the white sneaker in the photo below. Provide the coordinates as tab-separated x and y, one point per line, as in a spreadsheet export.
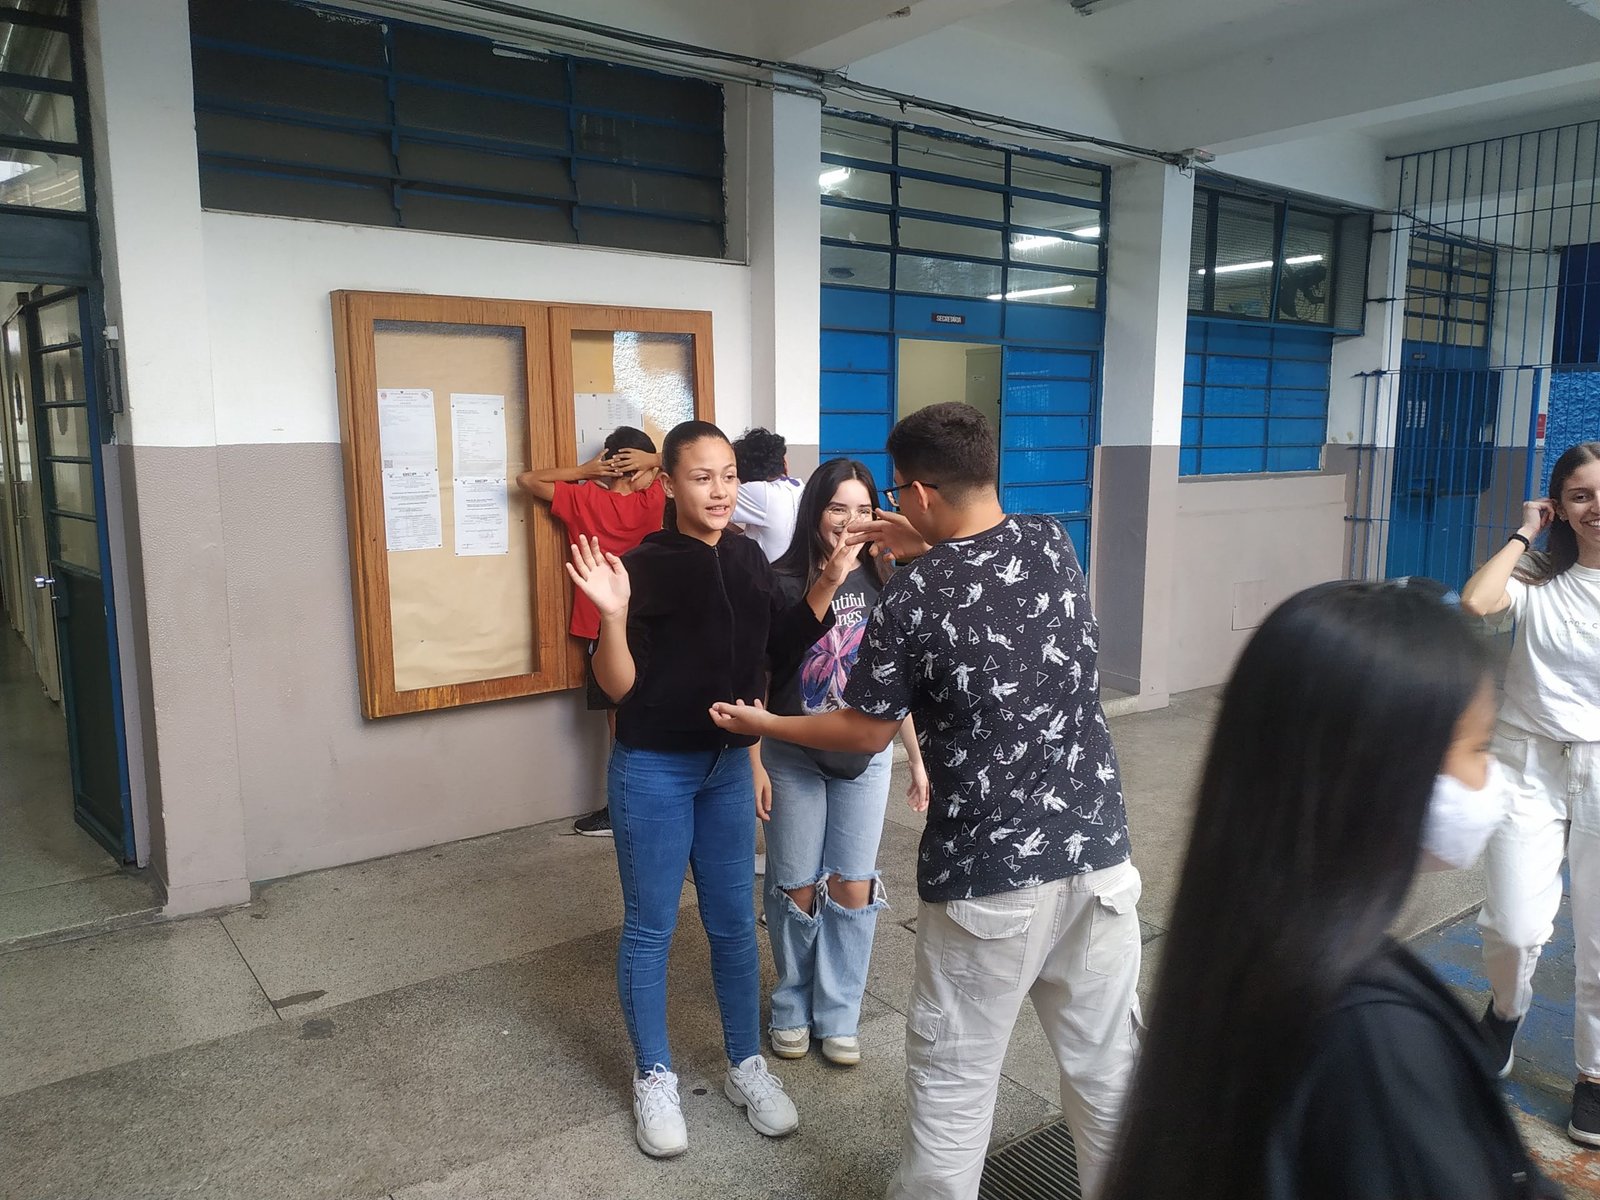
790	1043
756	1090
660	1132
842	1051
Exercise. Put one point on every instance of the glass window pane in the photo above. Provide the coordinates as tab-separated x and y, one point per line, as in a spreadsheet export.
68	432
950	239
420	107
942	156
659	235
42	53
45	115
1246	256
1197	252
522	174
58	323
621	187
652	375
956	201
1025	210
1044	287
1042	175
268	141
1307	263
1047	250
856	139
79	544
74	485
37	180
484	218
248	79
855	268
852	183
853	225
943	277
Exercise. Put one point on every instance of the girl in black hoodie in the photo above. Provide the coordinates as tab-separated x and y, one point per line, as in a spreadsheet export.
691	617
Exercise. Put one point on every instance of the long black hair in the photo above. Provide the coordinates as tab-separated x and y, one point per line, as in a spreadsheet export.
1306	837
685	433
807	549
1561	543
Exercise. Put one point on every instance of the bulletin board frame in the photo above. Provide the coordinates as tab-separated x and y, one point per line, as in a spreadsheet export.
551	435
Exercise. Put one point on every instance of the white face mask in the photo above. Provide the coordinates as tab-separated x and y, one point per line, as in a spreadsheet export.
1460	820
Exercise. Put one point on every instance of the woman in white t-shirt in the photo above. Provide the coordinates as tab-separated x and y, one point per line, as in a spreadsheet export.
1548	744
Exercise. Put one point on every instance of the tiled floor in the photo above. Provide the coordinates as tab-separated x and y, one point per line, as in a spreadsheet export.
441	1025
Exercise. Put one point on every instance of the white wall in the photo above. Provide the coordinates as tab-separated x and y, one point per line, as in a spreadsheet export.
1340	166
271	327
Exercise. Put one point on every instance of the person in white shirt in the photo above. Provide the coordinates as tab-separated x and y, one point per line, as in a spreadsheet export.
768	502
1548	744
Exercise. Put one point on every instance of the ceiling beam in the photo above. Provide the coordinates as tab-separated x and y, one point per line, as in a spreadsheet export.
834	33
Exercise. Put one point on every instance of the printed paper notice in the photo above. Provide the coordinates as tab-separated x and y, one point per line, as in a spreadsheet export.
411	510
481	499
478	425
482	517
597	414
406	437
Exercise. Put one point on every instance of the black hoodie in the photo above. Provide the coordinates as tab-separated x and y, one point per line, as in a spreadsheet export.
1400	1102
705	623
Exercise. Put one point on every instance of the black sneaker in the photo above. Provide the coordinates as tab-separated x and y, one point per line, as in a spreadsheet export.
1501	1033
1585	1124
596	824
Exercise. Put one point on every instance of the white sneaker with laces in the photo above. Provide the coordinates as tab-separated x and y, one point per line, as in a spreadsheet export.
759	1092
790	1043
660	1131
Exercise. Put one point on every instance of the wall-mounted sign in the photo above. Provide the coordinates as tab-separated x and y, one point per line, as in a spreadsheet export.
949	319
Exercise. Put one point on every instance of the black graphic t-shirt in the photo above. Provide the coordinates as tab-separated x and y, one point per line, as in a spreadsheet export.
990	644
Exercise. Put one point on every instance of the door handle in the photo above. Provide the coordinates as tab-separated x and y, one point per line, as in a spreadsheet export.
43	581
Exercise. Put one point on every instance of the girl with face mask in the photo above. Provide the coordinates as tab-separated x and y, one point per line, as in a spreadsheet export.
1295	1051
1548	741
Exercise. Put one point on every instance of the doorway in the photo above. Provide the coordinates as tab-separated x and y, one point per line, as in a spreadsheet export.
938	372
66	834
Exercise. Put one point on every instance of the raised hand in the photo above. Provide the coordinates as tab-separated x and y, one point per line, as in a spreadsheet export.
599	576
841	561
888	533
599	467
628	461
1537	516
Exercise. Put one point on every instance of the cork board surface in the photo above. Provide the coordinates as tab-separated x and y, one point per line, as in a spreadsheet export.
462	619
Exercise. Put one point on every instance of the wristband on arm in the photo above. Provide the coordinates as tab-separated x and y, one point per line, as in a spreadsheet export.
1517	537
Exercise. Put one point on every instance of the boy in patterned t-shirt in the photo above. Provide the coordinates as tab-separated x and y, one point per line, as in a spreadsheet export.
1026	884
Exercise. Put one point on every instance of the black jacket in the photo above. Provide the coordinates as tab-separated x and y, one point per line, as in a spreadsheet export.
705	623
1400	1102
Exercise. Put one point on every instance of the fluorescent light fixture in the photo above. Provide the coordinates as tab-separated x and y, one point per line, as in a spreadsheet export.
1026	292
1263	265
833	178
1033	241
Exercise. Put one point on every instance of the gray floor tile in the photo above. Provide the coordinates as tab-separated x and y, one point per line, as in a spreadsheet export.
98	900
81	1006
329	937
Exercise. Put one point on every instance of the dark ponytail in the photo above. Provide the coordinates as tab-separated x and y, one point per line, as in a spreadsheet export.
1561	543
679	436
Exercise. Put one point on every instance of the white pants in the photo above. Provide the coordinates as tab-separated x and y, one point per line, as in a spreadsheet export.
1555	813
1073	946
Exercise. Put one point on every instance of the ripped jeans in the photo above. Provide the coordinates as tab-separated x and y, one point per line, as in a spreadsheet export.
821	826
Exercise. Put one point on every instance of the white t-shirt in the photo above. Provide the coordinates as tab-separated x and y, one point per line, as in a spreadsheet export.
1553	680
767	510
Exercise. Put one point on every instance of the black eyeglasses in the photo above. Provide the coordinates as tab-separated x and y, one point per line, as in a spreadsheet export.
888	493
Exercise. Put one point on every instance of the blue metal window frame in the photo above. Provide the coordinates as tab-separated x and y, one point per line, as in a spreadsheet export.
862	326
1285	442
77	89
1208	197
396	131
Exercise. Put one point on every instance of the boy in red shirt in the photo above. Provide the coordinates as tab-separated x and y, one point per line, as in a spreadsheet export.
617	508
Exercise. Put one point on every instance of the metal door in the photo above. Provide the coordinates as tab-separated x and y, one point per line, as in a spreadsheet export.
67	456
1047	435
33	617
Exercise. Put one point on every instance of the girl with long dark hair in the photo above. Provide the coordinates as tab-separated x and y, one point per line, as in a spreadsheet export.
1295	1050
1548	739
689	618
825	815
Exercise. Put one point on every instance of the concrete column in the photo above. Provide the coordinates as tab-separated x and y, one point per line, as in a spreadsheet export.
148	198
785	149
1136	479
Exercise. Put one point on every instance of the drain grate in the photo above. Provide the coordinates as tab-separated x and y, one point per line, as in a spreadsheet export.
1041	1165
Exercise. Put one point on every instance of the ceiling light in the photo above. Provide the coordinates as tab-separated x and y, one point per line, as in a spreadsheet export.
834	177
1026	292
1264	264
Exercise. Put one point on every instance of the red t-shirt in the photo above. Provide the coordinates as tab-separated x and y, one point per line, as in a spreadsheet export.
620	522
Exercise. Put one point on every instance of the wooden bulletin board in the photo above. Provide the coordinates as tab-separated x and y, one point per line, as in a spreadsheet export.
458	582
